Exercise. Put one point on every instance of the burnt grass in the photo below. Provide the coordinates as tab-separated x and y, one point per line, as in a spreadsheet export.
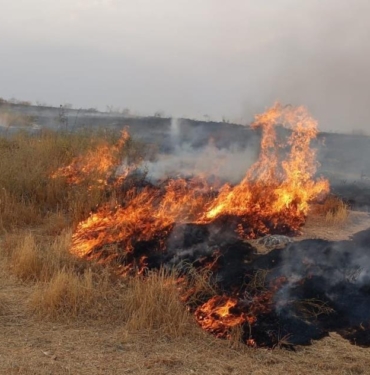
310	288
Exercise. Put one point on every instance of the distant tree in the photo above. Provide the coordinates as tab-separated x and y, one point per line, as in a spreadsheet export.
25	102
13	101
112	109
41	104
62	116
92	110
126	112
159	114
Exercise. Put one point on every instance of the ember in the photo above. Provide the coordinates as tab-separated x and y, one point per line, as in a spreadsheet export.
181	221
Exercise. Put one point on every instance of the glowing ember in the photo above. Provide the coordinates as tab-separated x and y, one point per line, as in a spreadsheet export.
217	316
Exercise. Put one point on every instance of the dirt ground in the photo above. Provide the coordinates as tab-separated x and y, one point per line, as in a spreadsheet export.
29	345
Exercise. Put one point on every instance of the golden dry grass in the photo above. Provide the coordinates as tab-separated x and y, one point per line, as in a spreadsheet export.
33	259
61	315
153	304
28	195
69	288
336	211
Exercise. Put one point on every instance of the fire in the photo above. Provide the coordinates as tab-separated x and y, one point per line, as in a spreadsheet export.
278	188
217	315
98	163
273	197
221	313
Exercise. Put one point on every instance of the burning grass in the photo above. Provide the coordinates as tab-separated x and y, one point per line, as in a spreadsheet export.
157	245
29	196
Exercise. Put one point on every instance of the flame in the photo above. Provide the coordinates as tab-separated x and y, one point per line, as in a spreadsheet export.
274	195
217	315
277	188
221	313
97	163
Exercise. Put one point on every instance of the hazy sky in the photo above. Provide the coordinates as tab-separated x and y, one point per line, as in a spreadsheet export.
191	57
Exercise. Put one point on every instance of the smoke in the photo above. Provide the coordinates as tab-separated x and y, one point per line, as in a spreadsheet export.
175	131
190	156
318	57
336	272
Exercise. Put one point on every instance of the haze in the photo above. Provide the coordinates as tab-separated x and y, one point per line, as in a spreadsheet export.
191	58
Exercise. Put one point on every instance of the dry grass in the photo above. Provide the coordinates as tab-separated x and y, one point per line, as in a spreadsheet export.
69	288
61	315
28	194
153	304
39	259
70	295
334	210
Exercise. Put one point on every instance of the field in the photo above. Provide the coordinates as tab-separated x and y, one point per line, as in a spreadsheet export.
63	315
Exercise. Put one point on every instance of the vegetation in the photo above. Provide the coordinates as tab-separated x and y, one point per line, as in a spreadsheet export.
78	316
38	213
335	211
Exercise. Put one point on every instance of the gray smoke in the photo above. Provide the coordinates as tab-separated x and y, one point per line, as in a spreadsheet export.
227	163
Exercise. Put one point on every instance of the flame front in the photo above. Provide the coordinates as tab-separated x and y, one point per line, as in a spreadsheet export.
274	195
98	163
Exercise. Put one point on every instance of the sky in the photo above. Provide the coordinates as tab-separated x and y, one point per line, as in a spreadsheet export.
191	58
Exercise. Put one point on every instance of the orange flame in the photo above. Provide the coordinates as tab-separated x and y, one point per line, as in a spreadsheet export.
276	189
98	163
216	315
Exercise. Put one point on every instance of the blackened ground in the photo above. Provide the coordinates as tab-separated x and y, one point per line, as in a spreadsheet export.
307	289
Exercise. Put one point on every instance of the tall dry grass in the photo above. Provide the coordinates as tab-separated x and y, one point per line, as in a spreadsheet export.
33	259
153	304
68	288
335	210
28	194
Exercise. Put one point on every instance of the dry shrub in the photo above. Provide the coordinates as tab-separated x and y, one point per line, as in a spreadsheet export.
236	338
153	304
143	303
335	210
35	260
312	308
198	286
70	294
28	194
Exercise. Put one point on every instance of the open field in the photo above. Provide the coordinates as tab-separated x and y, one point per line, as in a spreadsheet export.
63	315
